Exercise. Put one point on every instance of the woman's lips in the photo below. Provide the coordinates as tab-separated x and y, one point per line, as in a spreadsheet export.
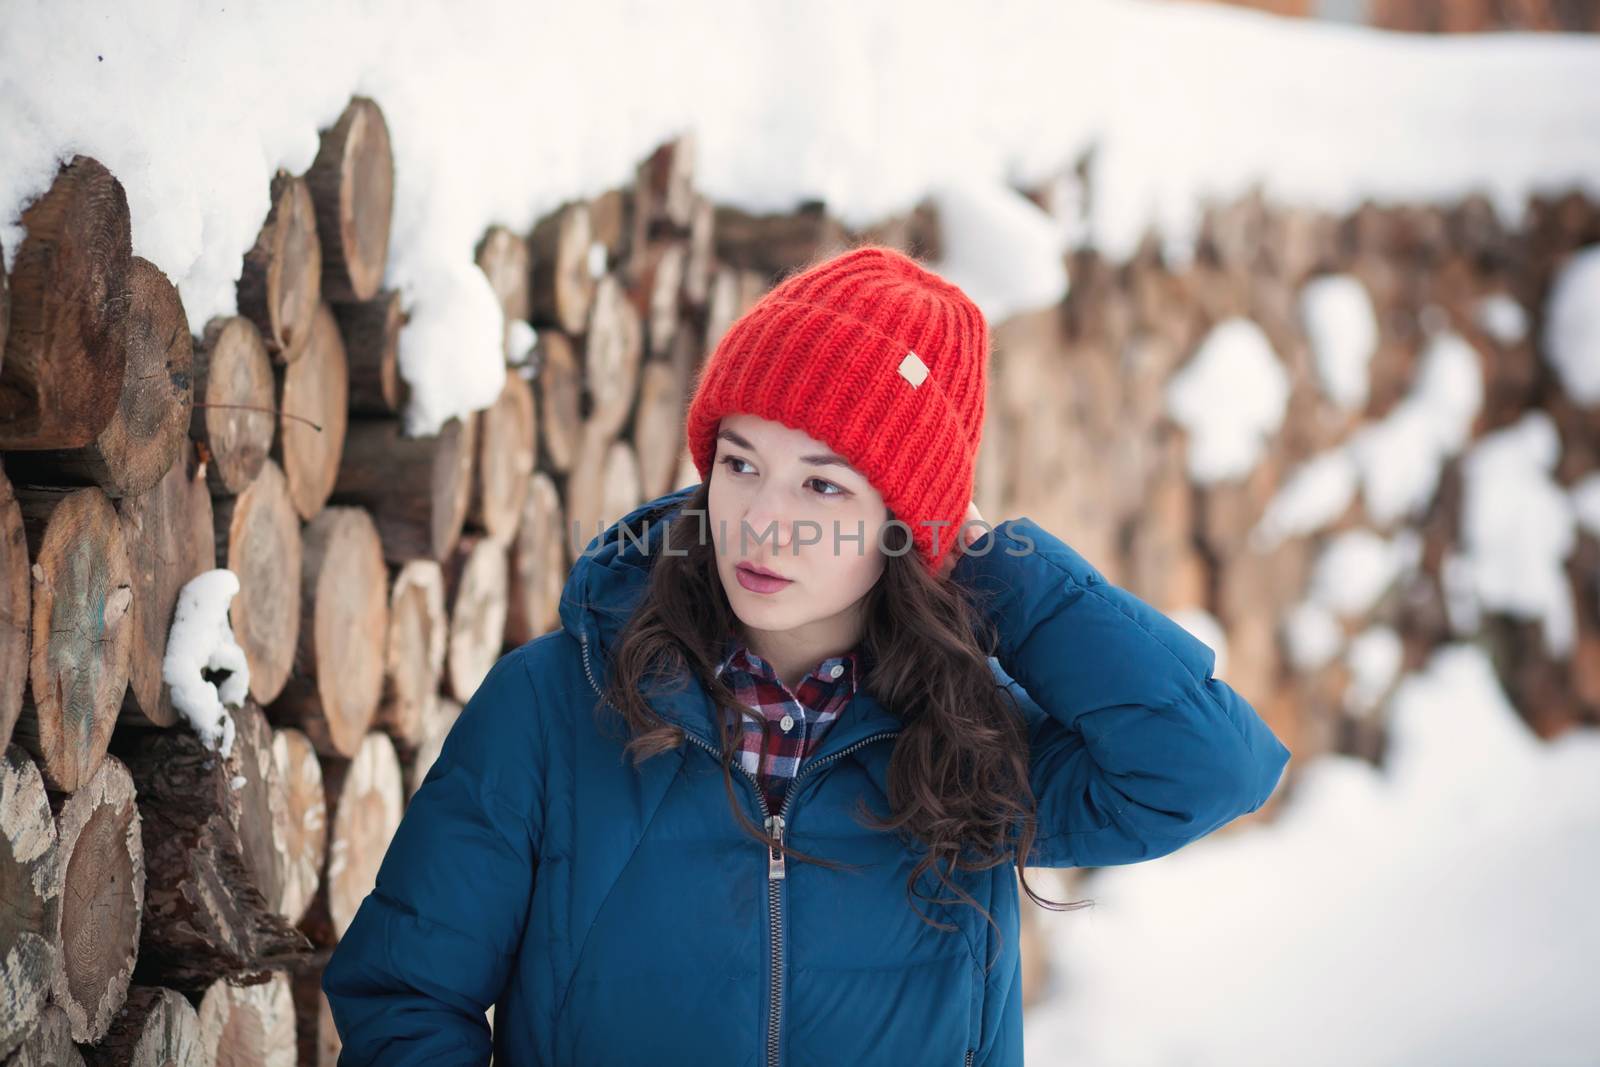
760	583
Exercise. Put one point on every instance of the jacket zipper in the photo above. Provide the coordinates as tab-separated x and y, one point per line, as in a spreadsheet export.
776	870
968	1061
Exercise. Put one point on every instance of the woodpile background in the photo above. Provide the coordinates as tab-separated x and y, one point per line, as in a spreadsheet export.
164	905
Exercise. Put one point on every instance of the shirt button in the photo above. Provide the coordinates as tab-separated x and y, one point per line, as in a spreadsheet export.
787	722
838	669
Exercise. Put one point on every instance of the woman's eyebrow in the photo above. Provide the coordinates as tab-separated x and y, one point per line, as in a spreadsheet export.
821	459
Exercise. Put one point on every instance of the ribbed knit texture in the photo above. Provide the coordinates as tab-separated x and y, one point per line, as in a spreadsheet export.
822	353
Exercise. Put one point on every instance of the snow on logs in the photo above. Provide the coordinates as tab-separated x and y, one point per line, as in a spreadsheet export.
141	450
213	848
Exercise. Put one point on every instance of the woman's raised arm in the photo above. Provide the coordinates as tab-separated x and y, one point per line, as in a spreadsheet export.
1135	748
430	948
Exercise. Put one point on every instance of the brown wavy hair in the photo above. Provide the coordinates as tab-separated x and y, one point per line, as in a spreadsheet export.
958	776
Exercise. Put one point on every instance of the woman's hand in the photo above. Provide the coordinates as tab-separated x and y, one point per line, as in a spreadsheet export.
966	534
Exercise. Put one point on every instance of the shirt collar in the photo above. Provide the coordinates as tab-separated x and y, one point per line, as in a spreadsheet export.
851	661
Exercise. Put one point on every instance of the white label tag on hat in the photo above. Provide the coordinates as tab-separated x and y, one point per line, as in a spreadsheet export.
912	369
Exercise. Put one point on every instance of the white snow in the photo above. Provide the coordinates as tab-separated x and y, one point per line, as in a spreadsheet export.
201	639
498	113
1402	455
1355	569
1439	910
521	341
1204	626
1374	658
1343	329
1585	494
1572	327
1461	607
1502	318
1000	248
1316	494
1518	527
1312	635
1230	396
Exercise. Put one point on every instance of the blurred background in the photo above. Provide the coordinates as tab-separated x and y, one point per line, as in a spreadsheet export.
1296	324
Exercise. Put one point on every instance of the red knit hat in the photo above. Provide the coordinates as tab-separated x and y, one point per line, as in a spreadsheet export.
877	357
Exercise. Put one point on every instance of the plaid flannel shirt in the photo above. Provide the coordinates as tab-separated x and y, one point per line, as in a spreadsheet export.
795	722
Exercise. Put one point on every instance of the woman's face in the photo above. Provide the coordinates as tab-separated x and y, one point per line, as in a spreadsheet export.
777	502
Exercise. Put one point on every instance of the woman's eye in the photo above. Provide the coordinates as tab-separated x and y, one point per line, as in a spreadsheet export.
830	490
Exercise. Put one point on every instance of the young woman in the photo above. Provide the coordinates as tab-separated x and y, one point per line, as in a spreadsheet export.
766	795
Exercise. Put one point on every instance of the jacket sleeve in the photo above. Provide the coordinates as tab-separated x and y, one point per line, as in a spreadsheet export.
1135	748
431	946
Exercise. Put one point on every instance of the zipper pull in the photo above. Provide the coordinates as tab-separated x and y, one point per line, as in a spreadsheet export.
775	856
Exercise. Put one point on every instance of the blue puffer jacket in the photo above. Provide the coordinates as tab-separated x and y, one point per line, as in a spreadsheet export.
615	915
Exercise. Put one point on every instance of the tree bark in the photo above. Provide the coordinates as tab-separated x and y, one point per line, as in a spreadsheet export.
16	609
476	578
371	330
306	821
30	899
209	904
66	346
658	427
538	564
258	538
100	879
337	681
352	183
157	1027
612	351
50	1043
169	536
82	631
503	257
365	800
142	437
507	435
280	283
416	488
235	398
248	1025
313	413
559	385
562	280
418	627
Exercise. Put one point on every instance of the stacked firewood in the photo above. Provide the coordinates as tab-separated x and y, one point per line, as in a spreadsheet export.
164	902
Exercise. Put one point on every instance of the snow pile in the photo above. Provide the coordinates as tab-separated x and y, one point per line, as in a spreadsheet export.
1374	658
1518	527
1502	318
1572	327
1315	495
1357	567
868	107
999	248
1401	456
1339	320
1439	910
1231	398
202	640
1312	635
1585	496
